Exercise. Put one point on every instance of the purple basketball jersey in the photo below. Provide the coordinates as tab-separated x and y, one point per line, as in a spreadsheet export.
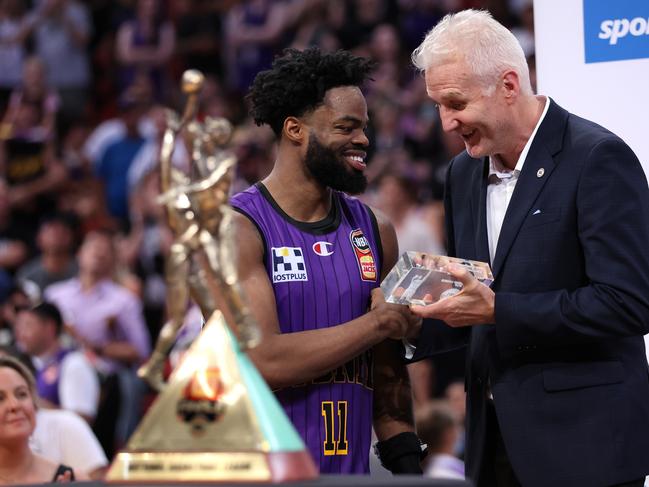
322	275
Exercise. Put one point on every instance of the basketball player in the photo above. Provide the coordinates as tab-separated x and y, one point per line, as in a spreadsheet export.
311	256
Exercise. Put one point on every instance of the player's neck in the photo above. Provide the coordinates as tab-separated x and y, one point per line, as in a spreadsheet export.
301	198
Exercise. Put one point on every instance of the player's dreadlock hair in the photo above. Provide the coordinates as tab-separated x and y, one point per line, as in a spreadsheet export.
298	81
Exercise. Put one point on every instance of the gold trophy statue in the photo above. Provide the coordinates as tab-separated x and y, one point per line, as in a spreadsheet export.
216	420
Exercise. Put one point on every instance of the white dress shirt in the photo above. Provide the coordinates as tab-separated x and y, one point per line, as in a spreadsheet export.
501	187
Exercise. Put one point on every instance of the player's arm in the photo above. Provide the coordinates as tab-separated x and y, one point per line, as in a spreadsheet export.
398	447
286	359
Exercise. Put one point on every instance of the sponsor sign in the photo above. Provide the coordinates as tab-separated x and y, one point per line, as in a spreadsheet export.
615	31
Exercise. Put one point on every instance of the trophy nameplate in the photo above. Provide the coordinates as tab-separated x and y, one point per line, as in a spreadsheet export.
419	278
215	421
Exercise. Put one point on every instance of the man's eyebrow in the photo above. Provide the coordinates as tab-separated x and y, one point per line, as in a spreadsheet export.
349	118
451	95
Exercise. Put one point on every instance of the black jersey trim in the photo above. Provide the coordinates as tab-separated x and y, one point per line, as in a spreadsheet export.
377	236
327	225
261	234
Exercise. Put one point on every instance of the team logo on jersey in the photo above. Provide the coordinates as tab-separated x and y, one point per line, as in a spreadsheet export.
364	255
323	249
200	403
288	264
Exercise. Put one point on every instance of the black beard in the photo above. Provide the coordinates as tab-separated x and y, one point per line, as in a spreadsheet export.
329	169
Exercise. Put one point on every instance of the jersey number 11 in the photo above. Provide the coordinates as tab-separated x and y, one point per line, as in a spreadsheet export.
333	446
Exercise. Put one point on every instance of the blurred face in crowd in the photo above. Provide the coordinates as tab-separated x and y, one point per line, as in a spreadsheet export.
33	334
17	409
33	73
385	42
96	255
335	155
147	8
466	109
55	238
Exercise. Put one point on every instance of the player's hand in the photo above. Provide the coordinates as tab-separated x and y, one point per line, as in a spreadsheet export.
473	305
395	321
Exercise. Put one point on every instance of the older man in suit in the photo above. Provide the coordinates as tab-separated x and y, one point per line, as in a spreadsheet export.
557	378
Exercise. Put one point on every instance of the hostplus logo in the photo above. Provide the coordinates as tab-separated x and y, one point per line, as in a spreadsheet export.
616	30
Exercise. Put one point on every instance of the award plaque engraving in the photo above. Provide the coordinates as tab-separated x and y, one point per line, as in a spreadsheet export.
419	278
216	420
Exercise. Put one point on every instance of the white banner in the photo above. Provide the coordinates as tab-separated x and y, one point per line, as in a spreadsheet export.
592	57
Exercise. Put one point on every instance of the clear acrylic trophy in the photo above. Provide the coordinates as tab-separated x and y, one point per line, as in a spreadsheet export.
419	278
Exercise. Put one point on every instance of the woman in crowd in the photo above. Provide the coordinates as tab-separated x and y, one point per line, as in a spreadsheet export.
18	465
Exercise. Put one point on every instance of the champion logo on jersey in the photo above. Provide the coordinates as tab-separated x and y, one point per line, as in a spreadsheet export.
364	255
323	249
288	264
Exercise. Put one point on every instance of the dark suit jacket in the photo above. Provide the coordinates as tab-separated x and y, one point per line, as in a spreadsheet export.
565	359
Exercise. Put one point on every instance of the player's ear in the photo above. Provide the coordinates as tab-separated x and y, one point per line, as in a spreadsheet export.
295	130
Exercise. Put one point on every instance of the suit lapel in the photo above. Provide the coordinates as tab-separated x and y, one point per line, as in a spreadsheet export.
538	168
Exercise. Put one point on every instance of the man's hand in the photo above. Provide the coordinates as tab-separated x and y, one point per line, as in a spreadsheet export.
473	305
395	320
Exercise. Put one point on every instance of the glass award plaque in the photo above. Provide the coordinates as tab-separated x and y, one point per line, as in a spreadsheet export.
419	278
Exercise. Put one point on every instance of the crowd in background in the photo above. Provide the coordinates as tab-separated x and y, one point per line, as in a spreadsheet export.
83	91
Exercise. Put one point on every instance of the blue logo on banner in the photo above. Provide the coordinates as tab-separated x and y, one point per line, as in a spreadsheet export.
616	30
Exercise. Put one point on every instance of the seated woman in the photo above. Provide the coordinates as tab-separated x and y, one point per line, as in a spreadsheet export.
18	465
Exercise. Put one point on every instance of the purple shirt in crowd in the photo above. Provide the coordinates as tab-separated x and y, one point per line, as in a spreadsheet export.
322	275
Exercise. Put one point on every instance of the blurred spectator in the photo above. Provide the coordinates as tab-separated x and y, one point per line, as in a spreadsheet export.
198	35
362	16
36	93
438	427
13	235
110	131
103	316
146	247
113	167
61	436
15	300
525	32
144	46
456	397
12	48
106	319
398	199
254	29
317	27
147	158
18	464
61	30
65	378
417	17
27	147
56	262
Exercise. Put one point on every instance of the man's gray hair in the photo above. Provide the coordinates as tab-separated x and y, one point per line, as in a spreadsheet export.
487	46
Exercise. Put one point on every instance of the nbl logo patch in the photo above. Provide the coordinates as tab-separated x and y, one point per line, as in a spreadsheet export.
364	255
288	264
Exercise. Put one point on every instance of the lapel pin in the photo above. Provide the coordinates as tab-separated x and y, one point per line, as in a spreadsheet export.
540	173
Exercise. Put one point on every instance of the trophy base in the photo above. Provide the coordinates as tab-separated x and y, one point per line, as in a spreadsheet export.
213	467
